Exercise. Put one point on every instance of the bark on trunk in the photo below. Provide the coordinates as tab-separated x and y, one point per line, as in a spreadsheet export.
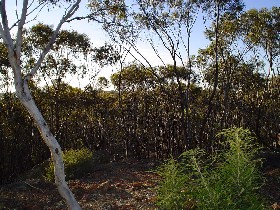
23	93
26	99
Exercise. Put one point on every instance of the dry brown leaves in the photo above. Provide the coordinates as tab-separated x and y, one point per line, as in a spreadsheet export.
123	185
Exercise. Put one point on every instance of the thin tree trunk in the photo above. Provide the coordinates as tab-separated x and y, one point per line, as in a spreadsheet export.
216	75
26	99
23	93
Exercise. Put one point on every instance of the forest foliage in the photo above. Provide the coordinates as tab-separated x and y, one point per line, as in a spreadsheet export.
150	111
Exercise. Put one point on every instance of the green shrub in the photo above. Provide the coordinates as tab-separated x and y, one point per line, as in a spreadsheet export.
239	173
76	164
226	180
170	192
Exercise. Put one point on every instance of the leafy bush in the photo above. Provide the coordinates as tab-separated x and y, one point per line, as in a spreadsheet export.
239	173
76	163
226	180
171	194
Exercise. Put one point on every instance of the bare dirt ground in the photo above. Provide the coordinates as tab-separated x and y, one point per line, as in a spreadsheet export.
120	185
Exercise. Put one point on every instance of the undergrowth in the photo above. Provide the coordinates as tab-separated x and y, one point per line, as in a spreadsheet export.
229	179
76	164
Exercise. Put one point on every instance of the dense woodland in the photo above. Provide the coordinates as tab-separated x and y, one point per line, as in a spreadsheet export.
147	111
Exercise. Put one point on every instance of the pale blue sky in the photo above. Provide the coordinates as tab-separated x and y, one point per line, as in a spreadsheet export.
98	37
95	32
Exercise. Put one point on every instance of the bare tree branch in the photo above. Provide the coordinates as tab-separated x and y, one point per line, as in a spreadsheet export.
20	28
5	31
88	17
42	5
69	14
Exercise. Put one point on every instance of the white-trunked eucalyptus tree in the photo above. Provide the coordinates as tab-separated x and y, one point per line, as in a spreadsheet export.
21	80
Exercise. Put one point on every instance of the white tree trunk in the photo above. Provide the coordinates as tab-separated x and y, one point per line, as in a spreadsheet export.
23	93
